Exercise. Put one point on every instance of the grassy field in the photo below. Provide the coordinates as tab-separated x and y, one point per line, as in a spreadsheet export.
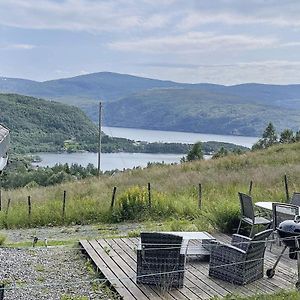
174	193
284	295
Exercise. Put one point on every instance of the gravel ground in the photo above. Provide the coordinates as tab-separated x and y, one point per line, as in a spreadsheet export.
48	274
73	233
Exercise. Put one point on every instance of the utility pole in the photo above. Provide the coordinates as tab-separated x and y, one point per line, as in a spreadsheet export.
99	138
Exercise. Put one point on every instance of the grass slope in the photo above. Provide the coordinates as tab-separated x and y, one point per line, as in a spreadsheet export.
174	193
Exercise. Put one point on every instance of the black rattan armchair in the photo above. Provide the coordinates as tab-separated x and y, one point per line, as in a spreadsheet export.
161	260
241	262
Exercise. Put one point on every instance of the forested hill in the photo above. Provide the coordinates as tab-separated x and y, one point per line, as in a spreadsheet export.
131	101
202	111
41	125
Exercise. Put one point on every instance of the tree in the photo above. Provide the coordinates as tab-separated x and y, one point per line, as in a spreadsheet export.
269	135
287	136
268	139
195	153
221	153
297	136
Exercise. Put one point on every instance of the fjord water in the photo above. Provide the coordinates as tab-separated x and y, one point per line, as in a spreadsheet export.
111	161
177	137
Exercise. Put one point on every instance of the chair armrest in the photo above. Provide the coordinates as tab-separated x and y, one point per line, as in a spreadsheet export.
139	246
223	248
240	241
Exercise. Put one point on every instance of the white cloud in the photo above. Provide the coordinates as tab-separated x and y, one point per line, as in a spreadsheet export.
272	72
194	19
117	15
193	42
80	15
17	46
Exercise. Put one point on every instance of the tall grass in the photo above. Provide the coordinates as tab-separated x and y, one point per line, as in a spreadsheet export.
174	192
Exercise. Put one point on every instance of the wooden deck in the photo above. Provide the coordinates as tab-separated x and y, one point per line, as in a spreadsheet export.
116	260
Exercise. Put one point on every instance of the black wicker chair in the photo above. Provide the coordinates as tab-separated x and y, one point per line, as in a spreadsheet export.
295	200
161	260
241	262
248	215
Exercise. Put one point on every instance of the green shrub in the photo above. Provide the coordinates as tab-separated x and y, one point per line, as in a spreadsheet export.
224	216
132	204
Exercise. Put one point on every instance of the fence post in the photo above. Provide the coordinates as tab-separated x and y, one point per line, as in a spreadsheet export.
7	208
113	197
286	188
149	195
64	206
6	215
29	207
199	195
2	291
250	187
0	194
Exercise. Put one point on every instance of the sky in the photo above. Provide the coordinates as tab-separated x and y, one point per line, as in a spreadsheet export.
217	41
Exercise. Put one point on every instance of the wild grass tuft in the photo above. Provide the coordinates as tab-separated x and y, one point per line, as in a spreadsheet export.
2	239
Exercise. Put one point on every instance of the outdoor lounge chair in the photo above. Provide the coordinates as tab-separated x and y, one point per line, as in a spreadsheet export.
161	260
241	262
247	214
295	200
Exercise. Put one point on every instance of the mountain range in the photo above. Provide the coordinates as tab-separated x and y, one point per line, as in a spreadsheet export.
131	101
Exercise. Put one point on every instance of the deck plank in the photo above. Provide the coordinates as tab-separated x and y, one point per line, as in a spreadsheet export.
117	284
118	268
116	259
129	267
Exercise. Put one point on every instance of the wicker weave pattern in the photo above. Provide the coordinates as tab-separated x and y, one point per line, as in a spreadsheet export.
240	264
295	199
240	241
160	261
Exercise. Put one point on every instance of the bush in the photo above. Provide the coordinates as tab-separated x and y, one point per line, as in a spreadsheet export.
132	204
224	216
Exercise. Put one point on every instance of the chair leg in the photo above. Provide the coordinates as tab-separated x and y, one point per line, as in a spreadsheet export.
271	242
251	231
239	226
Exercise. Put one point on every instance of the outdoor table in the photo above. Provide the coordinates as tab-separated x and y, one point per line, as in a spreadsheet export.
264	205
267	206
203	247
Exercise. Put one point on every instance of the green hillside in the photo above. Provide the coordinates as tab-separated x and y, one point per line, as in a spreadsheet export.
41	125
